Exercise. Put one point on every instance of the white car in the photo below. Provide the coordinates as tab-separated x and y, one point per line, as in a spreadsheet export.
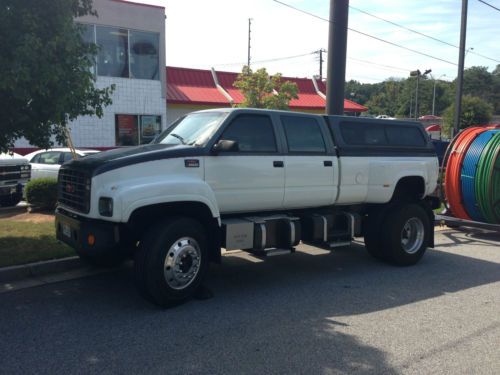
46	163
385	117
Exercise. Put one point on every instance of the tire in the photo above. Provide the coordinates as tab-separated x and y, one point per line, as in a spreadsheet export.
172	261
10	201
405	234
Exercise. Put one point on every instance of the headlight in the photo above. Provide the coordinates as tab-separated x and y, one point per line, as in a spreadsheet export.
106	206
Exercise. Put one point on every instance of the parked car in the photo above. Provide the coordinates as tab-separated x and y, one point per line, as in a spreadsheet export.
46	163
385	117
429	117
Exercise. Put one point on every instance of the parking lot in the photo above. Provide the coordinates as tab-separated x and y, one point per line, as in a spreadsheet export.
311	312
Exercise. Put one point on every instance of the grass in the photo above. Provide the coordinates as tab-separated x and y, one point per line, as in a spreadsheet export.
25	242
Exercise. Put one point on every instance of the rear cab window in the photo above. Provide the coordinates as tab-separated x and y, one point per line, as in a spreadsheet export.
370	134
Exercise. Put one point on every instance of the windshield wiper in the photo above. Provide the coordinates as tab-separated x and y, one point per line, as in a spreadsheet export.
178	137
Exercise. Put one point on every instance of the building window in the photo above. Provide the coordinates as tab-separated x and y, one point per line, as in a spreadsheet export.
88	37
132	130
124	53
112	58
144	55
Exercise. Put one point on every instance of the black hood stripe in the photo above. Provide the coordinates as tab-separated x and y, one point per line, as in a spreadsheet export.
106	161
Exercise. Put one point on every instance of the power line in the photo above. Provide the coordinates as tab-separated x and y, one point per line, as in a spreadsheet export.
491	6
267	60
368	35
420	33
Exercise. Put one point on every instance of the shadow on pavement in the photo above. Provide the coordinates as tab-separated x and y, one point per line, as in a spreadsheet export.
278	316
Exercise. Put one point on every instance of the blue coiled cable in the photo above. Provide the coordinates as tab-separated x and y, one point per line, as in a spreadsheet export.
468	174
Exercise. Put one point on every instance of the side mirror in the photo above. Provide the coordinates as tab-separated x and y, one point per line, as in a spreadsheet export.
225	145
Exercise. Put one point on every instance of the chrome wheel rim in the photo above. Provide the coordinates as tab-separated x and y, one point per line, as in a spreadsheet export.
412	235
182	263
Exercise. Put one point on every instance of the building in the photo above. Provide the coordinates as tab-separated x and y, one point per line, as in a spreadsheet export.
195	89
131	37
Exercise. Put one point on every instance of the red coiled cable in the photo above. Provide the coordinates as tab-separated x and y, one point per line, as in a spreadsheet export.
452	183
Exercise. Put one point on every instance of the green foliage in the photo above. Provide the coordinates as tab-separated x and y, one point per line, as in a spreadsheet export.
475	111
46	78
42	193
262	91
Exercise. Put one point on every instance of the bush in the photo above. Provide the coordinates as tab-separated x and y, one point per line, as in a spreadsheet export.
42	193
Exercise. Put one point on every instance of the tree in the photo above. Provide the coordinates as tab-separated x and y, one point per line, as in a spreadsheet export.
46	78
262	91
475	111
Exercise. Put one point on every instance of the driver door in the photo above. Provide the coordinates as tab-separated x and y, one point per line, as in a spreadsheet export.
251	177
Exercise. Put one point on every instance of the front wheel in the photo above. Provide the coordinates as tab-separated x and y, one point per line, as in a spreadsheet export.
171	261
405	234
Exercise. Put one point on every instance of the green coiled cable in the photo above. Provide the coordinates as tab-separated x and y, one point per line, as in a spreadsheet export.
488	181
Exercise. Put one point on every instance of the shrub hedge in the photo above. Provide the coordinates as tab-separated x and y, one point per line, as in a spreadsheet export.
42	193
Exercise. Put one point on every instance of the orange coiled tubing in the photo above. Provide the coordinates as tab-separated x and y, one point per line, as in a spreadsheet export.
452	182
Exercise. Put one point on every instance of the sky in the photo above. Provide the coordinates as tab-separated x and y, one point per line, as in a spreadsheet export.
205	34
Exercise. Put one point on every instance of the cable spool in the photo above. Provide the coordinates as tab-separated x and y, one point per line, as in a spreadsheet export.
452	185
469	176
487	183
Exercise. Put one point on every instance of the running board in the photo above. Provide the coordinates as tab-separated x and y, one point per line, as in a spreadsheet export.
270	252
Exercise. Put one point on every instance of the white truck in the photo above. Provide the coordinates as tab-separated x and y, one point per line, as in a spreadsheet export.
256	180
15	172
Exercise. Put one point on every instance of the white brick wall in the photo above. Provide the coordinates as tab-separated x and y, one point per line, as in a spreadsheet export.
131	96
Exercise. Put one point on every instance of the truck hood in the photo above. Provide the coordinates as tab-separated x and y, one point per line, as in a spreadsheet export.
9	159
105	161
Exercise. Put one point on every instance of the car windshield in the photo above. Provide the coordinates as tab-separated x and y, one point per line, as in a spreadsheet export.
194	129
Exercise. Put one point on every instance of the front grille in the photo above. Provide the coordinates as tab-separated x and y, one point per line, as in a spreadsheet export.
10	172
73	189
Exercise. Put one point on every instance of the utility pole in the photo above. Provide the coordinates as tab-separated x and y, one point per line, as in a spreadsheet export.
337	50
417	73
249	40
434	92
411	103
460	75
320	51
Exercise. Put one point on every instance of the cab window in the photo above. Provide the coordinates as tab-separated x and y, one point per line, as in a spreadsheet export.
253	133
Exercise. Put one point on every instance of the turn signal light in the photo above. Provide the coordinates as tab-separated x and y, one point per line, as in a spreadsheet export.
91	239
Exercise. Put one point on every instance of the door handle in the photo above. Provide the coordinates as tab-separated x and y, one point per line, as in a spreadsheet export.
328	163
278	164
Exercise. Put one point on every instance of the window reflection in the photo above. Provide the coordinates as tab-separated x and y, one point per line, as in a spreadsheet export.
112	58
144	61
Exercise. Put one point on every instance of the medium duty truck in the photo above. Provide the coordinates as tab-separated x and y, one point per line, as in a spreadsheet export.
257	180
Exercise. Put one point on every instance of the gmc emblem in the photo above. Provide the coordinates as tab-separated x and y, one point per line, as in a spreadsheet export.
69	188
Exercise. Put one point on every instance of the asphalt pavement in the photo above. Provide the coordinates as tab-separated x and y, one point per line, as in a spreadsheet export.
312	312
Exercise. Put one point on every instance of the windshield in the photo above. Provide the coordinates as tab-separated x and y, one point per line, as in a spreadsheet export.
194	129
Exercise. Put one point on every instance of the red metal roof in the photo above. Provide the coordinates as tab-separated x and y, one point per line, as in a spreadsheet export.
433	128
226	80
349	105
197	86
193	86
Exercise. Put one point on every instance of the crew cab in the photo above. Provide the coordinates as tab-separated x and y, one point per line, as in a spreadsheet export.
257	180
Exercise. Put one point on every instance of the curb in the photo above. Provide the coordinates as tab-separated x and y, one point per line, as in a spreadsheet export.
15	273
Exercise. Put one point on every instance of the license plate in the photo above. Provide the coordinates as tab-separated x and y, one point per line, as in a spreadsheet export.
13	190
66	230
